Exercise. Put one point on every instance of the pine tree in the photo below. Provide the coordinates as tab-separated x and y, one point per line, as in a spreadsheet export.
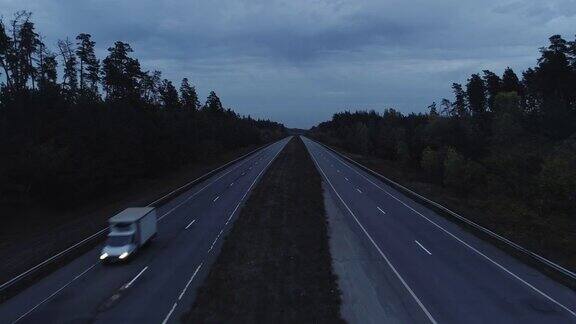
188	96
169	95
476	95
459	104
70	81
89	64
5	46
213	103
432	109
121	73
493	86
510	82
29	42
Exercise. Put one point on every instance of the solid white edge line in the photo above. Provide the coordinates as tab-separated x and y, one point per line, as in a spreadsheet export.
380	209
253	182
104	229
169	313
202	189
231	214
126	286
190	224
422	246
190	281
543	294
424	309
54	293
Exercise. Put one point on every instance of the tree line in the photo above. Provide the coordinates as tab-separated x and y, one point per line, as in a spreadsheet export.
102	123
508	139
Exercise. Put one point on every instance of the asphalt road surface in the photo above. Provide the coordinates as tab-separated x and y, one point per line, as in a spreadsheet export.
442	272
159	284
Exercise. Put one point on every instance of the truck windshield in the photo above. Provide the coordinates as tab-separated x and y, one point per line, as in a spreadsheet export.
120	240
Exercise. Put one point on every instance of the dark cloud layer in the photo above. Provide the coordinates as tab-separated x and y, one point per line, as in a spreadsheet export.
300	61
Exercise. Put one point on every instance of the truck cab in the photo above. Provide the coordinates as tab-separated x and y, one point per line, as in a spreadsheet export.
129	230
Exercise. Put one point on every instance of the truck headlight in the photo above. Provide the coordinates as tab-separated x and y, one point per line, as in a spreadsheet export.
103	256
123	255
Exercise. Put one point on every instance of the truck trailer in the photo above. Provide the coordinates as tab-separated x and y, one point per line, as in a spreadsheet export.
129	231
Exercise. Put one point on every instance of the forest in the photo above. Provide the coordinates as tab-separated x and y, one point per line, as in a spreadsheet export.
504	146
73	125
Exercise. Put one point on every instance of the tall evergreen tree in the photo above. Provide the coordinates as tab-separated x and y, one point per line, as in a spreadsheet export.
70	80
476	94
433	111
121	73
493	86
188	96
213	103
555	83
29	42
169	95
47	65
89	65
510	82
459	104
151	84
5	46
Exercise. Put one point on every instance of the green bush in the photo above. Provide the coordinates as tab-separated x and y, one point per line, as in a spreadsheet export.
431	164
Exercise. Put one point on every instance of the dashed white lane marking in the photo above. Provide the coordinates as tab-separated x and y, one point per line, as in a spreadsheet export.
54	293
337	170
190	281
217	197
219	234
231	184
418	301
202	189
169	313
360	191
126	286
192	222
159	219
250	188
498	265
380	209
423	248
346	179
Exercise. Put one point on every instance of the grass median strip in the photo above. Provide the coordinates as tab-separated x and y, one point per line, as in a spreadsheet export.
275	264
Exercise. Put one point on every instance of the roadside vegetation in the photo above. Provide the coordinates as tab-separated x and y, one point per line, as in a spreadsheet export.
102	123
502	152
275	264
82	137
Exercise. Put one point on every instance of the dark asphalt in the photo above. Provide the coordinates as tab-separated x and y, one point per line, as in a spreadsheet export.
159	284
447	274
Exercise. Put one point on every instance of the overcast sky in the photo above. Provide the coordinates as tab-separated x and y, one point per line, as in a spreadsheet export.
299	61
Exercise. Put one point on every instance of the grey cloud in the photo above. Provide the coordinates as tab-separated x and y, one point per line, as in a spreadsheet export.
299	61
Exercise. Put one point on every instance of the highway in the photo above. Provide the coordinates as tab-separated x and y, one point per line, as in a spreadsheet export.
441	271
159	284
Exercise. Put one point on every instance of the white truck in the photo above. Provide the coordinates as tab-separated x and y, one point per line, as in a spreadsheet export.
129	230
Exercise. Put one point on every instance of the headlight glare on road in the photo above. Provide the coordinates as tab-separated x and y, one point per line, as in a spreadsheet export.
123	255
103	256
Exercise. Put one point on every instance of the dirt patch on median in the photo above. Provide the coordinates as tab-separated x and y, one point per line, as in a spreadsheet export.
275	265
